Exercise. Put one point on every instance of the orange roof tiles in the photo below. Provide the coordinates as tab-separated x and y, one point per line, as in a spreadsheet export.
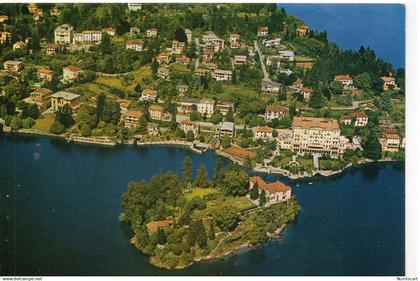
273	187
312	122
134	113
343	78
153	226
73	68
276	108
264	129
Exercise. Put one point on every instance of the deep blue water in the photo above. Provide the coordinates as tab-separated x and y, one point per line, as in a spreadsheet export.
59	215
379	26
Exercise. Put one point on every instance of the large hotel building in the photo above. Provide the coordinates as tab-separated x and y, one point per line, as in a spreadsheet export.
316	135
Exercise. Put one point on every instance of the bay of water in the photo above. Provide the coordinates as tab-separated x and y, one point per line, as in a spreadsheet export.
379	26
60	202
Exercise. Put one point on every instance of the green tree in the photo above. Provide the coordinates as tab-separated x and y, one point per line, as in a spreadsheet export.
235	183
111	112
64	116
372	149
217	117
316	100
16	123
57	128
87	116
200	233
161	237
212	234
262	198
105	46
218	172
225	141
180	35
226	217
201	179
191	236
336	88
86	131
28	123
100	105
229	115
187	170
190	136
185	217
363	81
254	192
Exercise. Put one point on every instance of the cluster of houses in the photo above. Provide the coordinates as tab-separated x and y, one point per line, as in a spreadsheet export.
66	35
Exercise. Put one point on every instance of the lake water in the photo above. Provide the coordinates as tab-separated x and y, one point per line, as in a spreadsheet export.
379	26
59	207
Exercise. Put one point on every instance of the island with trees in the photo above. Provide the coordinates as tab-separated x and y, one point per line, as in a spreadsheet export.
178	221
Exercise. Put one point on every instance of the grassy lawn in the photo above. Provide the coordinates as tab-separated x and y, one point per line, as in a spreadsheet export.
180	68
200	192
242	203
114	82
43	124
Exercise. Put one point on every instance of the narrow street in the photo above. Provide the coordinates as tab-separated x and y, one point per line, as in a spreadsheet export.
197	45
266	76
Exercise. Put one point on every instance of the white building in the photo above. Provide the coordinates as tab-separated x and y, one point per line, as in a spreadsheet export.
206	107
287	55
222	75
263	133
226	129
153	32
316	135
262	31
234	38
188	125
88	37
71	73
270	86
389	82
63	34
156	112
135	44
134	7
345	80
188	33
238	60
285	138
149	95
275	192
360	119
271	42
307	93
275	111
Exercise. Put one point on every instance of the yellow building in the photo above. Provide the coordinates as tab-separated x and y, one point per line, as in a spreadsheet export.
302	30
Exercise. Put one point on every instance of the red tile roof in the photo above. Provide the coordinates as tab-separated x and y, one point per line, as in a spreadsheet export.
153	226
264	129
276	108
388	79
271	187
73	68
343	78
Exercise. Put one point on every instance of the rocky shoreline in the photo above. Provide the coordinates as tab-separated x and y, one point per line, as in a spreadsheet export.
209	258
191	146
